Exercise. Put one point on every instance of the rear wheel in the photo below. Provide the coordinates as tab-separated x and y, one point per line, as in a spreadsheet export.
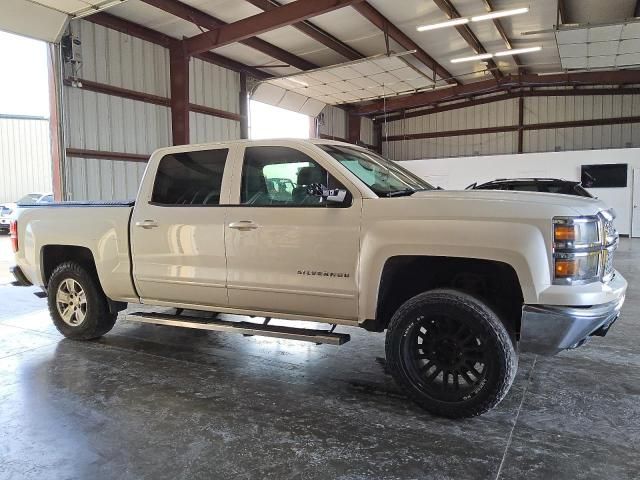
451	353
77	304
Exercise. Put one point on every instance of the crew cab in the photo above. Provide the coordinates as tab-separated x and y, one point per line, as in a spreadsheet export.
460	281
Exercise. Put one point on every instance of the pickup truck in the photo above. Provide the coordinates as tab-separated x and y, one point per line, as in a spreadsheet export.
460	281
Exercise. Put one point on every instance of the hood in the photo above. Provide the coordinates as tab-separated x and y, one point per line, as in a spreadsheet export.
564	204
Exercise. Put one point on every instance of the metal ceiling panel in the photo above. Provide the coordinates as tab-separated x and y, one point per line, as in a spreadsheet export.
370	78
33	20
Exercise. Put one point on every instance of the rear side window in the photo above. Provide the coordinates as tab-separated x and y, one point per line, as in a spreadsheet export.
190	178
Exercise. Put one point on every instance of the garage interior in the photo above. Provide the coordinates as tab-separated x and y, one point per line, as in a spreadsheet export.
546	88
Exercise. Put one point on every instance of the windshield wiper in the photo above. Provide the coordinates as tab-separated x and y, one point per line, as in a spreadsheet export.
401	193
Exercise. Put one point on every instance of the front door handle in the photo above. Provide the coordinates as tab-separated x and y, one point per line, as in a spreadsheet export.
147	224
243	225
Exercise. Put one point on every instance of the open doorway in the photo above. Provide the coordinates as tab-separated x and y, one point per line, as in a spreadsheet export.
267	121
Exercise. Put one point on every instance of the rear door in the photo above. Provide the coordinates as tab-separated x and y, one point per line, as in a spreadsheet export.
178	229
288	251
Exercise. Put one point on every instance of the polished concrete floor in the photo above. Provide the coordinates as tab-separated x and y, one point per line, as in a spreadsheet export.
148	402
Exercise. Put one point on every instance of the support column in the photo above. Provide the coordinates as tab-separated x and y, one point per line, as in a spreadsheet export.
353	128
54	67
520	123
244	107
179	74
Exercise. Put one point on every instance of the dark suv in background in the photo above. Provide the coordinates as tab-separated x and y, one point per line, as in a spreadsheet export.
545	185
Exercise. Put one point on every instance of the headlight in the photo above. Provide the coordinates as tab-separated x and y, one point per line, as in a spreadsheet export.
583	248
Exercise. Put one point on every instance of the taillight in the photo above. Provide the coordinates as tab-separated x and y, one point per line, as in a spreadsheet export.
13	232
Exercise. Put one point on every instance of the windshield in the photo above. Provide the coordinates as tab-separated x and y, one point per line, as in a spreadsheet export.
384	177
30	198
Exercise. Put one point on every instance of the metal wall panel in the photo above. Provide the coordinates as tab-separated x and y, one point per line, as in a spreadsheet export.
95	121
502	113
214	86
25	157
206	128
366	131
335	122
561	109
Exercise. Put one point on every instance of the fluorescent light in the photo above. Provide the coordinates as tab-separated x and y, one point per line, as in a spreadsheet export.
449	23
482	56
498	14
517	51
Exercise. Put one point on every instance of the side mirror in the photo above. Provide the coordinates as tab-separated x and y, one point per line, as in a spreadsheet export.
336	195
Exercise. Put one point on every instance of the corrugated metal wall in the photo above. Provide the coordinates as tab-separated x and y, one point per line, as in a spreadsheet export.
505	113
367	132
96	121
216	87
335	122
480	116
25	157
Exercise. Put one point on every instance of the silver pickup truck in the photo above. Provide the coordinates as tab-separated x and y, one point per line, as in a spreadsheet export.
329	232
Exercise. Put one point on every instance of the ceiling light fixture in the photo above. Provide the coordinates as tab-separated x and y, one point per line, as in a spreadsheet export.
516	51
448	23
482	56
499	14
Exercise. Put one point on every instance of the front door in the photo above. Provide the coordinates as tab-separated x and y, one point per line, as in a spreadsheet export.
177	234
288	250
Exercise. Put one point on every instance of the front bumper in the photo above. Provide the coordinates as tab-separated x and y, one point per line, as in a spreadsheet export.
549	329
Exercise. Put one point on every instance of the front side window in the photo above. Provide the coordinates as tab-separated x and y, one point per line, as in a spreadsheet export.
384	177
282	176
190	178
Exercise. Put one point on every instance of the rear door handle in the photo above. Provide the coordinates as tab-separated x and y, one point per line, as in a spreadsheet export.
243	225
147	224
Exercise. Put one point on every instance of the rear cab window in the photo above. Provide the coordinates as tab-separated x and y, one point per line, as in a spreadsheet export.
190	178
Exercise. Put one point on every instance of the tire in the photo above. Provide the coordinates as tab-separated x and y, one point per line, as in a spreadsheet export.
92	318
447	333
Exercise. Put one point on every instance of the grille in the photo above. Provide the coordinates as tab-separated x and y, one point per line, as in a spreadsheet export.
607	268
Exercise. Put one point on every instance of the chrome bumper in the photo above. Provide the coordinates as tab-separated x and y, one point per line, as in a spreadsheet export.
549	329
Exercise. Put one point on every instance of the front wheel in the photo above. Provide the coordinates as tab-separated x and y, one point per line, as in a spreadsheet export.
77	304
451	353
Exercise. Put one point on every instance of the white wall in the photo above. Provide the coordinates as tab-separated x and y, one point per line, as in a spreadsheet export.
458	173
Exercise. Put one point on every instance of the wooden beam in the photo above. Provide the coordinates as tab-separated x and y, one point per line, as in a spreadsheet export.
179	78
204	20
314	32
429	97
129	28
293	12
465	31
120	92
515	128
380	21
103	155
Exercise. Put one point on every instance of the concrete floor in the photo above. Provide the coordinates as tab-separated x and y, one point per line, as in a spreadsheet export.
159	402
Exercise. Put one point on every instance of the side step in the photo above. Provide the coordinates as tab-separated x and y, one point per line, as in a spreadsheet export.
247	328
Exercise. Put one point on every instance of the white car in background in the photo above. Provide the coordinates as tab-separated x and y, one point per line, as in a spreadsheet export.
10	210
6	211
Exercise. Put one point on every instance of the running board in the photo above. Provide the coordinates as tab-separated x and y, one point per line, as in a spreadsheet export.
246	328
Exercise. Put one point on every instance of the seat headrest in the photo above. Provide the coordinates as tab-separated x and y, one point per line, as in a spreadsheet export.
309	175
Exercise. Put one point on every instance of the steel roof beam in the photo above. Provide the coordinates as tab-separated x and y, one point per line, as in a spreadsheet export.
459	92
380	21
314	32
465	31
293	12
204	20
